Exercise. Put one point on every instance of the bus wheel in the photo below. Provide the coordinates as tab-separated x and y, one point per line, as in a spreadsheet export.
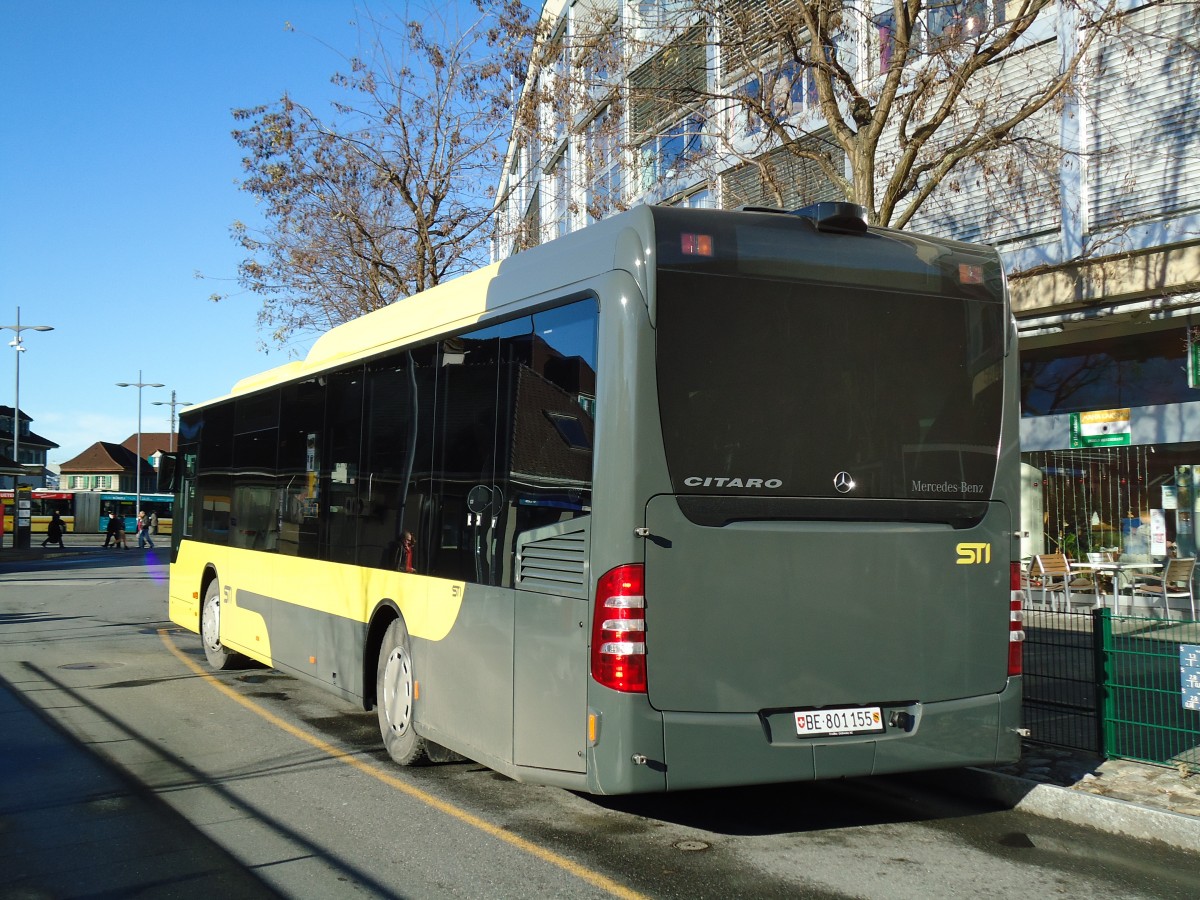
394	698
210	629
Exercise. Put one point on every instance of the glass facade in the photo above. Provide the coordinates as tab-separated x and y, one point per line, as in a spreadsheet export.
1139	500
1146	369
1138	496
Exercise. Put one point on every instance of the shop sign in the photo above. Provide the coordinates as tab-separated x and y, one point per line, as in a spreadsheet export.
1158	532
1100	428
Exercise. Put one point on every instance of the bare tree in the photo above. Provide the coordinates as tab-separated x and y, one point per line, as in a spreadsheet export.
905	109
390	193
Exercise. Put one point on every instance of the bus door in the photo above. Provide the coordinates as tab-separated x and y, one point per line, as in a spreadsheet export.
550	647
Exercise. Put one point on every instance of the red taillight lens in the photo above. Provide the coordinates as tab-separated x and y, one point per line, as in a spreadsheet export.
619	630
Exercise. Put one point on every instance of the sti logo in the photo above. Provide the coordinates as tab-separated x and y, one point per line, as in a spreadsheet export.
974	554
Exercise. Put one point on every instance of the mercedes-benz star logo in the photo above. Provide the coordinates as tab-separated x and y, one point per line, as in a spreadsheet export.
843	482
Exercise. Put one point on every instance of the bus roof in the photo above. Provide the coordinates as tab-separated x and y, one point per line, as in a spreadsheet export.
525	281
521	281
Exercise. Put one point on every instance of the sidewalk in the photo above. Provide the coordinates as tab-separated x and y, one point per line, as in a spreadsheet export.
1115	796
73	825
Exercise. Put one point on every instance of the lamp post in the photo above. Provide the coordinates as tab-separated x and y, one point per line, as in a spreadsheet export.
15	343
139	384
171	403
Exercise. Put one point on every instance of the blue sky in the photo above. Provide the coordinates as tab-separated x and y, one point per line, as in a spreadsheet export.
118	182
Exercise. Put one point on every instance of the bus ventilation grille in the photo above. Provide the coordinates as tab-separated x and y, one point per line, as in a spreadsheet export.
554	560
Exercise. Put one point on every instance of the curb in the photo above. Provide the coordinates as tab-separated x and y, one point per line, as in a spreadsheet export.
1065	804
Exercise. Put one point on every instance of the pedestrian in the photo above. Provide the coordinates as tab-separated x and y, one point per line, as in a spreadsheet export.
110	530
408	549
153	522
143	531
55	530
119	534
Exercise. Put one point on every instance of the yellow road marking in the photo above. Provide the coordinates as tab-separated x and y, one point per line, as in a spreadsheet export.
549	856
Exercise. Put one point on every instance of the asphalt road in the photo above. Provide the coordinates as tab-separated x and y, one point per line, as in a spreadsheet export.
293	784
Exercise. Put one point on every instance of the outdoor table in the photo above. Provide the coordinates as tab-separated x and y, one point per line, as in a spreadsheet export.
1117	569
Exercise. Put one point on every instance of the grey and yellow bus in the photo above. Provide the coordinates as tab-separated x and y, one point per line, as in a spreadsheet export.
687	498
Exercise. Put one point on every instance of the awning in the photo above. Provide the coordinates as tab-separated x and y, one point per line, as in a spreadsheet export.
1152	309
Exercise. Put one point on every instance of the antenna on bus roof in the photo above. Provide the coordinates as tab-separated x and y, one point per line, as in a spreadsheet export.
847	218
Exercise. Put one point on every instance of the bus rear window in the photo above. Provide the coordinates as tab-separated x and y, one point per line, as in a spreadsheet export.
780	388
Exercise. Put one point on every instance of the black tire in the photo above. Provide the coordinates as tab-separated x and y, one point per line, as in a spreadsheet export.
210	629
394	700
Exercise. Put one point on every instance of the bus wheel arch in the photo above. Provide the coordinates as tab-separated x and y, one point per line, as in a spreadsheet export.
385	613
217	654
395	697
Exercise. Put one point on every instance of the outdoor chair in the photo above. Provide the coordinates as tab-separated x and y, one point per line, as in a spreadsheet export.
1053	570
1175	584
1104	580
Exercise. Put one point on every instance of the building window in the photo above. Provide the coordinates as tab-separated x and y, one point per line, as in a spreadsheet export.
790	90
946	23
602	153
1133	370
666	155
556	200
657	14
701	199
885	34
950	21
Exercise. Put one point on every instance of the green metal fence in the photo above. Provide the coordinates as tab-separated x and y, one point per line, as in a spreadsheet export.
1151	689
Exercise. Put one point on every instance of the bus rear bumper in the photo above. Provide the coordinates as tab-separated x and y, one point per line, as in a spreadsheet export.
719	749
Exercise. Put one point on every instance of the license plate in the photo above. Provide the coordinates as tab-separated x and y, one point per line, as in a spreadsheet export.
830	722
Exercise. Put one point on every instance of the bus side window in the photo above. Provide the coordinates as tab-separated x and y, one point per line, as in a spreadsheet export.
549	385
214	486
340	483
465	448
301	424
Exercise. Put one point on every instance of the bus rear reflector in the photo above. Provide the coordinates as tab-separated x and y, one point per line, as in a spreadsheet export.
619	630
1016	633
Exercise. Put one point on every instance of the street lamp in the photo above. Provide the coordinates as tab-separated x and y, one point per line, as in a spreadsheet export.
171	403
139	384
15	343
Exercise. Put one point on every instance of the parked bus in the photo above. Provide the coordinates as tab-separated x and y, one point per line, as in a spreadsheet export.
104	504
687	498
87	512
43	504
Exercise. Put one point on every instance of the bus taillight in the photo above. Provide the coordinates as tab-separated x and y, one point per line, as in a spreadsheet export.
619	630
1016	620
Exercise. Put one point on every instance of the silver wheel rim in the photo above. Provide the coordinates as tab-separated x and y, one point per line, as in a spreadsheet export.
397	691
211	624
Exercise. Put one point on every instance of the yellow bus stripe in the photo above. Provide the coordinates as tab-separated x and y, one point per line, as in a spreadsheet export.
582	872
